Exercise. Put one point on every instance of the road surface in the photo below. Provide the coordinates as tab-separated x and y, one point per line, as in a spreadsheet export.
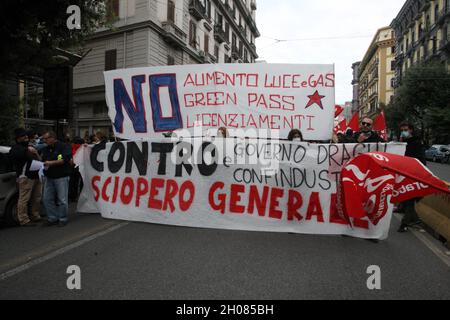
121	260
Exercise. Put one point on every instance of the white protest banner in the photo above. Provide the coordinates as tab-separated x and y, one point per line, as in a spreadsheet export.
234	184
273	98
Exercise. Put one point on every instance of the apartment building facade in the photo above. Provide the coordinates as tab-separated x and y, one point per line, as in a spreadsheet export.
155	33
355	84
376	74
422	30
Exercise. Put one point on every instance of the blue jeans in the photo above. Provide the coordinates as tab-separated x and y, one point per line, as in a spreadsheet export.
56	199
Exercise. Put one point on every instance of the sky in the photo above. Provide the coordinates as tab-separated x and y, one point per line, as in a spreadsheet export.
324	31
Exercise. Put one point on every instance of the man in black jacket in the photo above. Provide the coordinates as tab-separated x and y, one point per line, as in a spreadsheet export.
57	158
367	135
414	149
30	188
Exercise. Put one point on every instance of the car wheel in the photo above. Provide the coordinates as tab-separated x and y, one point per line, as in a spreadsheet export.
11	218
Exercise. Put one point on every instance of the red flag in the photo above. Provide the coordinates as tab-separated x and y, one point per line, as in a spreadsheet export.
338	110
341	127
380	126
372	182
354	122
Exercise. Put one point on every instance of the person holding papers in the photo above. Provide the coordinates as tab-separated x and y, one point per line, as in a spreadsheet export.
24	157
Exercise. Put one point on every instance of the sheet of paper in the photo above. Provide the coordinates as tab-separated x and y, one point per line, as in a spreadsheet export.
36	165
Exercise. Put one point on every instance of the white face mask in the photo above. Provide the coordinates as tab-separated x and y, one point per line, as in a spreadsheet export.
298	139
405	134
220	135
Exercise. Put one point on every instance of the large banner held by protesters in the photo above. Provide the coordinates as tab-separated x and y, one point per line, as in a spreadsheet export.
191	99
234	184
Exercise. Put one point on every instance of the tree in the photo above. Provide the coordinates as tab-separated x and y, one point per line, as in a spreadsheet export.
9	117
423	99
32	30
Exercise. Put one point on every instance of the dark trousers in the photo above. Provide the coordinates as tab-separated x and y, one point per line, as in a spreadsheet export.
410	212
75	185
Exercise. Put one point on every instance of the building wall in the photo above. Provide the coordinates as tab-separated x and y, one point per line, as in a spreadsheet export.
143	35
355	83
375	74
422	30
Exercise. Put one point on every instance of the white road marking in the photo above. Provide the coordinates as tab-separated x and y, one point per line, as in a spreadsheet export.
429	243
26	266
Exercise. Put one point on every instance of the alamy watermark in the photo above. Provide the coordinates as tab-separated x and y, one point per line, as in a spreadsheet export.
374	281
74	280
74	20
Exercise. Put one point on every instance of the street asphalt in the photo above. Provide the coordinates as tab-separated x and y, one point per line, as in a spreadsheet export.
121	260
145	261
440	170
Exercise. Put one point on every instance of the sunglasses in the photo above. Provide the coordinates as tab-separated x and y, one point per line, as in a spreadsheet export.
366	124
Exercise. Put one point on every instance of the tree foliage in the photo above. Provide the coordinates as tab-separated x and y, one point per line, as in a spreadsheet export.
9	117
423	99
31	31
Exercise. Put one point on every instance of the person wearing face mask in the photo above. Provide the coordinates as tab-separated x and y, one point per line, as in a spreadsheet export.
30	189
295	135
414	149
414	146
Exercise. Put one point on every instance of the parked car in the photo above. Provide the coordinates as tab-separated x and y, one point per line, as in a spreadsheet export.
8	188
438	153
447	155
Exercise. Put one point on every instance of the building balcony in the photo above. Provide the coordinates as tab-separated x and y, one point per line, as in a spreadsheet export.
442	16
374	66
173	35
207	26
399	59
395	83
373	95
425	6
219	34
197	10
209	58
444	45
374	75
228	8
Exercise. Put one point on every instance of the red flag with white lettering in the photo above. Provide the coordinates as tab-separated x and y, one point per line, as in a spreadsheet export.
338	110
341	127
372	182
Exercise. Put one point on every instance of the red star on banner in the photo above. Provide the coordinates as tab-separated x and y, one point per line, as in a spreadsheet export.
316	98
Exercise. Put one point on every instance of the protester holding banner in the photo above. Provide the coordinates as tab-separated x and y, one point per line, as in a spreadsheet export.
348	138
223	133
414	149
367	135
76	182
57	158
22	154
295	135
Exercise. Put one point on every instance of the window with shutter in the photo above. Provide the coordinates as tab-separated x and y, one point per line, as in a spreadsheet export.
171	11
110	60
206	43
192	34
